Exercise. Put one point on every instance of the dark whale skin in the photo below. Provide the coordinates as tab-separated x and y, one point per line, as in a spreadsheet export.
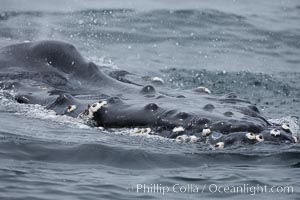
55	75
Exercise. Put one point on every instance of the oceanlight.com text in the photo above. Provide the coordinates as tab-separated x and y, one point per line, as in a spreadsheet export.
211	188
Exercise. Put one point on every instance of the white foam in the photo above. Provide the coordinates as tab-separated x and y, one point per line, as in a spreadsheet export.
103	62
7	104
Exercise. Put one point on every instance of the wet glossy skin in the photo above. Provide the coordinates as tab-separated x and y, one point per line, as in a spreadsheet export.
54	74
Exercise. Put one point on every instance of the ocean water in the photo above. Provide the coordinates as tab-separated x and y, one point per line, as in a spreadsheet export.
251	48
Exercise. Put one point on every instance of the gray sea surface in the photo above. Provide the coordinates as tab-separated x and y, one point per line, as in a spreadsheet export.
249	47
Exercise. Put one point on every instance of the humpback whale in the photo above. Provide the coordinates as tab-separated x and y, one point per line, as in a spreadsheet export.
55	75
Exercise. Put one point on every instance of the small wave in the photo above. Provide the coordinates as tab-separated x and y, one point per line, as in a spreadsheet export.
121	156
35	111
